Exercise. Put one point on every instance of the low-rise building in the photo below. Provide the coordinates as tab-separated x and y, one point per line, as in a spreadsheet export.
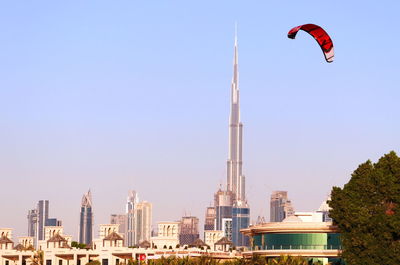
317	241
212	236
108	248
168	235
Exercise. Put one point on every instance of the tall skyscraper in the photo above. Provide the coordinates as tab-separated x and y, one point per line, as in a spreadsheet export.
209	223
240	220
86	220
188	230
42	216
143	218
53	222
38	218
235	177
232	213
32	222
280	206
119	219
223	203
132	200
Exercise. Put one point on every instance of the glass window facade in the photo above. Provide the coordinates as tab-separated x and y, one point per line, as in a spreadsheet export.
237	211
297	241
222	212
240	220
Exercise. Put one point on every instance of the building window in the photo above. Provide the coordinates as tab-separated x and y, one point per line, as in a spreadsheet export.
78	262
60	262
48	262
117	261
300	241
7	262
104	262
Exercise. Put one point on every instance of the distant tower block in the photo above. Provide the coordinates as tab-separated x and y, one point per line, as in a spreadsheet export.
189	230
86	220
280	206
209	223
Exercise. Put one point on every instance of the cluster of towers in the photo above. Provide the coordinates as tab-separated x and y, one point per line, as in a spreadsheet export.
134	225
230	212
38	218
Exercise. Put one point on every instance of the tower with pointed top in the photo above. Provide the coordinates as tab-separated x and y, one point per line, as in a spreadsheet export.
132	201
231	208
86	220
235	178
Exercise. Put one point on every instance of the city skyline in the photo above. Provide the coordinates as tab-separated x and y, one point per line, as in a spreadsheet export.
108	98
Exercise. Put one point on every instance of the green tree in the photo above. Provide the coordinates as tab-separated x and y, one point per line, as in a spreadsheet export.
75	244
37	258
206	260
367	213
93	262
289	260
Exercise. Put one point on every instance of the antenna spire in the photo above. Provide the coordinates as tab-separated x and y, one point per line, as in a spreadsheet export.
235	33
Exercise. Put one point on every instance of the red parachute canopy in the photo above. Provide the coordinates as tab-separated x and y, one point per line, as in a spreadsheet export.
319	35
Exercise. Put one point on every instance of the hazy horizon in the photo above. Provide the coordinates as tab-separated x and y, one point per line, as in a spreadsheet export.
135	96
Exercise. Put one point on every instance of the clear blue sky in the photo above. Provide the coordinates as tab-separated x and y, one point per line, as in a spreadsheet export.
119	95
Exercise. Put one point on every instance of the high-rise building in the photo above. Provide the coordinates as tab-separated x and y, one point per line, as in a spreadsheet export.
42	216
226	227
240	220
143	220
280	206
32	222
53	222
38	218
235	177
232	213
119	219
209	222
188	230
223	202
132	200
86	220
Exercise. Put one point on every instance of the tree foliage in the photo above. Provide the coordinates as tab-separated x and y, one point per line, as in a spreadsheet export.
75	244
367	213
37	258
94	262
204	260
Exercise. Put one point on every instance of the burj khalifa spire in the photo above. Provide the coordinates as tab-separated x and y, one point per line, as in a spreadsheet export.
235	178
232	212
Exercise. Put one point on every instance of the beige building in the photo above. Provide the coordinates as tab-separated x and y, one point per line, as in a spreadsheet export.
280	206
138	220
213	236
121	220
107	248
5	242
143	221
168	235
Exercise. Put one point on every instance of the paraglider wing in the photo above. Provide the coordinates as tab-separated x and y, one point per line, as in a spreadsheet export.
319	35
